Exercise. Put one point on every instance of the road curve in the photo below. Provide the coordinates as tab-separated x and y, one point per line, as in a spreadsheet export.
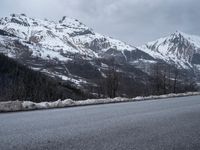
168	124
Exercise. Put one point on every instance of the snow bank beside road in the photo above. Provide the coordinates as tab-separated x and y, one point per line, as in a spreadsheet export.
27	105
11	106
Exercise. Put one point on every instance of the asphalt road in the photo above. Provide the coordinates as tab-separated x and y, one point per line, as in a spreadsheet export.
171	124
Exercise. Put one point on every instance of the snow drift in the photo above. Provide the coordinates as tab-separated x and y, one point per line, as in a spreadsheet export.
12	106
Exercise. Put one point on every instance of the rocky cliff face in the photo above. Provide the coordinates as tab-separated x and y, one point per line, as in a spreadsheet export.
178	48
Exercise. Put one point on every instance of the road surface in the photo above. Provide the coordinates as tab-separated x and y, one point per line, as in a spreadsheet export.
169	124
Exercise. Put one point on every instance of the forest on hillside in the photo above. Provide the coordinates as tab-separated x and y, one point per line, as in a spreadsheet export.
17	82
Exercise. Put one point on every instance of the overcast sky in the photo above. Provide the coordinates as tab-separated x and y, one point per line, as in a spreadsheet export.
132	21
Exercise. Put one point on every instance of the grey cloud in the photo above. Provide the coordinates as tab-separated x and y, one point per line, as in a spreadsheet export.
134	21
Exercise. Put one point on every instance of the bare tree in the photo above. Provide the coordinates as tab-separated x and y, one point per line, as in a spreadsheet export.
176	74
157	76
164	80
101	90
112	80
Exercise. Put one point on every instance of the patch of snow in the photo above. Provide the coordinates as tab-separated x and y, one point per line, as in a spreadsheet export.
27	105
11	106
76	81
144	61
167	49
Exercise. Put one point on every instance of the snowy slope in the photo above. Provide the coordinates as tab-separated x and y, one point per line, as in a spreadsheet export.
63	37
178	48
68	39
48	46
69	50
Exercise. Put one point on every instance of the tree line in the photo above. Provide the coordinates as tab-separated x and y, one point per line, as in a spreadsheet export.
169	79
17	82
162	79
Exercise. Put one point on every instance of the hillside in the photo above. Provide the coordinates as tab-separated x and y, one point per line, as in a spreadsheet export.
72	53
21	83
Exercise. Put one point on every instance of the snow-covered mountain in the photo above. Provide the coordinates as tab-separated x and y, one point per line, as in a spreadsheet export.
179	48
49	39
70	51
67	49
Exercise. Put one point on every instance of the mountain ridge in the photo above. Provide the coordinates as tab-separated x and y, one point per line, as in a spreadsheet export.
51	41
178	47
70	51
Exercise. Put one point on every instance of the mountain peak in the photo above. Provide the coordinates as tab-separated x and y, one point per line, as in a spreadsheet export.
67	19
18	15
178	47
20	19
185	35
177	34
72	23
